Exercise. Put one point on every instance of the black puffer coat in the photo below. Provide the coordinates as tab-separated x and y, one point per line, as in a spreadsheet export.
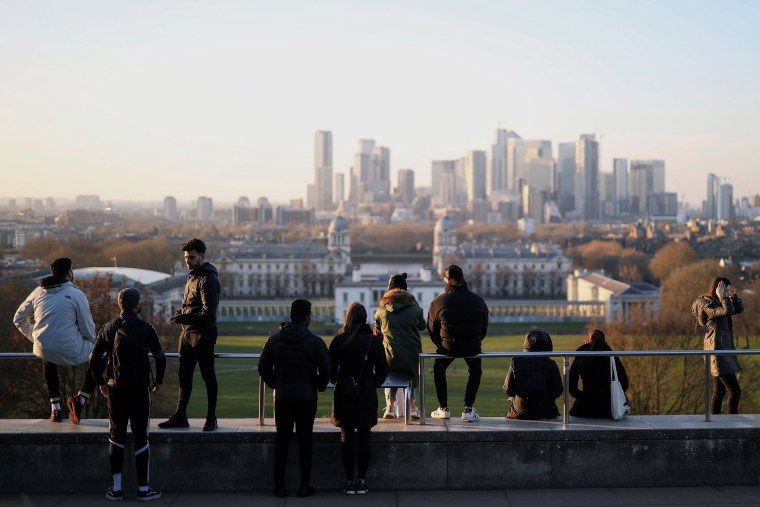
534	383
201	300
295	363
458	321
357	408
594	400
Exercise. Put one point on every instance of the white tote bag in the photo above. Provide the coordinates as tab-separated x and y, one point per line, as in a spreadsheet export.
620	405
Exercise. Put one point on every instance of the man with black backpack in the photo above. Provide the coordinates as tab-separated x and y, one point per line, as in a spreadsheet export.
124	343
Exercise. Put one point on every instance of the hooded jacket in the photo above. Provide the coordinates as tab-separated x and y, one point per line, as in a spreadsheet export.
534	383
57	320
201	299
295	363
458	321
400	320
594	400
716	316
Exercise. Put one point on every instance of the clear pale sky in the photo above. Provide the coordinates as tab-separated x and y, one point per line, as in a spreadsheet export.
142	99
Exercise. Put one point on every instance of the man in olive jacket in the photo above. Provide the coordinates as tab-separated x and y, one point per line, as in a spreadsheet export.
457	323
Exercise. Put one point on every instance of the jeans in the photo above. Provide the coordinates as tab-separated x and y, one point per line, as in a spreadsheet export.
302	414
719	387
473	380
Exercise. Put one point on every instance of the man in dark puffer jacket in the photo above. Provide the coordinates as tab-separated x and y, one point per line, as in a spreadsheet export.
457	323
296	364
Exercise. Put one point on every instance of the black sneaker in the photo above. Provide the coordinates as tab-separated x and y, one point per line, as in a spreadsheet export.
117	496
75	409
361	487
55	415
279	490
210	424
175	421
145	496
305	491
349	488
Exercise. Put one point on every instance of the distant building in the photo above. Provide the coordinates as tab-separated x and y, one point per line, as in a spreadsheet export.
204	208
323	171
406	186
87	202
623	301
587	180
170	209
475	175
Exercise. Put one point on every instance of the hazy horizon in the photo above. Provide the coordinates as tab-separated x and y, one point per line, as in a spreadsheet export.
140	100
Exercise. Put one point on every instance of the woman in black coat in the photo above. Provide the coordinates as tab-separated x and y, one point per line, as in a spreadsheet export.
533	383
594	400
358	369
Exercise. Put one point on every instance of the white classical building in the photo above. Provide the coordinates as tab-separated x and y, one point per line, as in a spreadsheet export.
288	271
496	270
622	300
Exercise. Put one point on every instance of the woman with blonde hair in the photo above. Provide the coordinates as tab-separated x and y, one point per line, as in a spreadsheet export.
358	369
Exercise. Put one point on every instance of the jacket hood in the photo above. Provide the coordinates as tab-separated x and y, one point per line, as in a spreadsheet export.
293	333
204	268
397	298
456	287
52	281
599	346
538	341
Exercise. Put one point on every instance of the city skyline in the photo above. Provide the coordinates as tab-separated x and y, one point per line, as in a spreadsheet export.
139	101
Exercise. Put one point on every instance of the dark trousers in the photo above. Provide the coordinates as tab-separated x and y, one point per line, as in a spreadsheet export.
347	437
129	404
302	414
195	348
473	380
719	387
50	375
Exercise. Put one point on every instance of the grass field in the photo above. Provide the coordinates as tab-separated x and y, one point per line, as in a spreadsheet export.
238	379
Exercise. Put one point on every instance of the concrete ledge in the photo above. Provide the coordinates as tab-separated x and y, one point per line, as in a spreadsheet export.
496	453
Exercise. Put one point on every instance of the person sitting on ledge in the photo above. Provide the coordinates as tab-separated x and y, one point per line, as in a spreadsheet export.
594	372
533	383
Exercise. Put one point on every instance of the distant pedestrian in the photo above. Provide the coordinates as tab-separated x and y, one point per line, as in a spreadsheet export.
533	383
714	310
358	369
594	372
457	323
56	318
400	319
124	343
197	316
296	364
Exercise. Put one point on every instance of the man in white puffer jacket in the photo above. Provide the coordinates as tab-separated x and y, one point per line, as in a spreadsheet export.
56	318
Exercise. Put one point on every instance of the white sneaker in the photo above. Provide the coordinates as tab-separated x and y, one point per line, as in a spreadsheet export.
415	413
470	416
441	413
389	413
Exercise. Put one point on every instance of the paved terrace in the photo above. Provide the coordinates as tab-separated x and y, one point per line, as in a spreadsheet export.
668	459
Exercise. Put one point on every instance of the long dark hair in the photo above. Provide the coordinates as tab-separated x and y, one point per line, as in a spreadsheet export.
353	321
711	292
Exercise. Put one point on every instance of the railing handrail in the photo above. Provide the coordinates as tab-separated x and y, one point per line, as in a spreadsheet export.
580	353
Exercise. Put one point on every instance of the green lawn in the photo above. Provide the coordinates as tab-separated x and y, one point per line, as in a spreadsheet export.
238	379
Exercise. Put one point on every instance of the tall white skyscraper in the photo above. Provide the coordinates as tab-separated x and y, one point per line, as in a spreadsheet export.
204	208
361	171
515	163
380	177
497	173
340	187
587	181
323	170
713	197
726	202
439	169
646	177
566	177
170	209
620	184
475	175
539	165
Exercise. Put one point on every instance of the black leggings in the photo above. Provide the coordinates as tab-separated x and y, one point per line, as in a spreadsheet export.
347	451
52	384
129	404
288	413
719	387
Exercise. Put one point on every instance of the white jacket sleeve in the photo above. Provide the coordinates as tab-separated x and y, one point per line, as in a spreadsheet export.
84	318
23	317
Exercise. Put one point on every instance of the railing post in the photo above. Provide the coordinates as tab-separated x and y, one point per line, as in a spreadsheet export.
566	389
262	399
421	388
708	381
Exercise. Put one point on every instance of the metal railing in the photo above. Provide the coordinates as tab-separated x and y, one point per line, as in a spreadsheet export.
707	354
